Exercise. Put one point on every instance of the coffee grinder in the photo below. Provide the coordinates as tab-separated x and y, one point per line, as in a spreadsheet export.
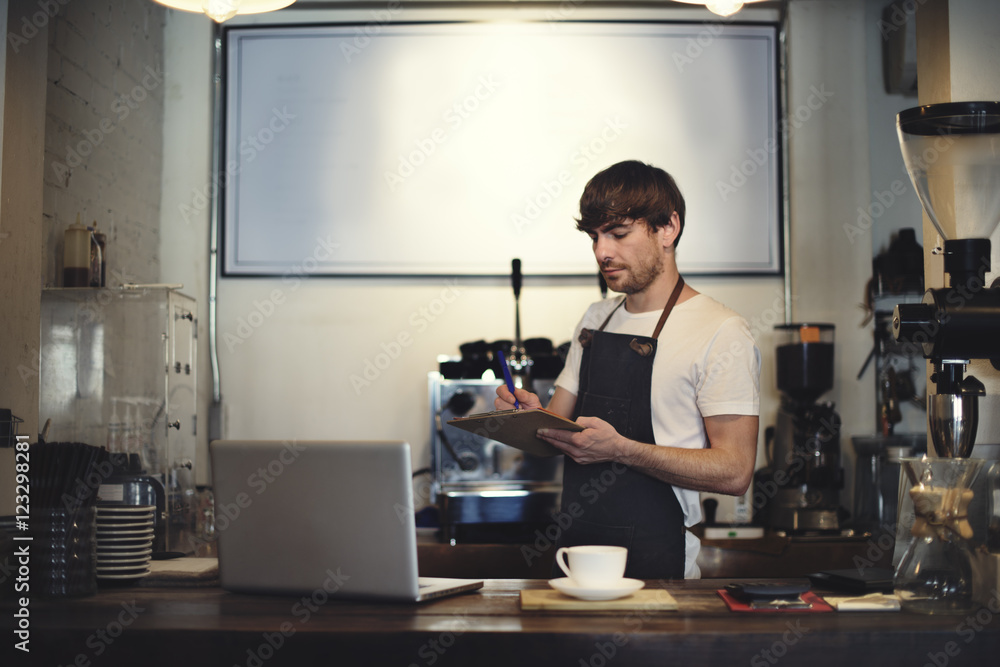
952	154
799	491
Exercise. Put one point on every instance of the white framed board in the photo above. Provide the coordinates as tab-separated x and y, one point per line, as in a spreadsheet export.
424	149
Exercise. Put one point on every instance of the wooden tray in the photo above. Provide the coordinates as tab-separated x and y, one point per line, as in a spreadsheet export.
645	599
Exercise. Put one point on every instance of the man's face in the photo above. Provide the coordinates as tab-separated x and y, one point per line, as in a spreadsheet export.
629	255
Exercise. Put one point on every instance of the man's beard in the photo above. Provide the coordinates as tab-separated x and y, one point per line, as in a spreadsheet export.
640	276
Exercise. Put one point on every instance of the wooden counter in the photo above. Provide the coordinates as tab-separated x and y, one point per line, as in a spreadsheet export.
772	556
193	627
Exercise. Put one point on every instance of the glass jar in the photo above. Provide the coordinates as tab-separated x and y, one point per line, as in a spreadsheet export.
934	575
64	552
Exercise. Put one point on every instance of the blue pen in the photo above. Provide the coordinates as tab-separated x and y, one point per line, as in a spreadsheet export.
507	377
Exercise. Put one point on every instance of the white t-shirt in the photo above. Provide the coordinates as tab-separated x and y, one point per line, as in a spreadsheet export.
706	364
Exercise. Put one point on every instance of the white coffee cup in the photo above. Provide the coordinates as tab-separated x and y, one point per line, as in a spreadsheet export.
593	566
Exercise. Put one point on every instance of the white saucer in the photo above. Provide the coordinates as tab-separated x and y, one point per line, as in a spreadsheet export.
619	589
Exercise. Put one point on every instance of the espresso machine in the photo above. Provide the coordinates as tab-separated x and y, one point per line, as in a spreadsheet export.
799	489
484	490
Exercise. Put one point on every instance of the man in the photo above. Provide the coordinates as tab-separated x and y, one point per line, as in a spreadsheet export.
665	382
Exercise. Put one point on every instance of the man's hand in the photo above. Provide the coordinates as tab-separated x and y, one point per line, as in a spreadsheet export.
505	400
725	466
598	442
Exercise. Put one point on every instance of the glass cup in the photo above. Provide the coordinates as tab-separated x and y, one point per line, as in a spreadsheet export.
64	552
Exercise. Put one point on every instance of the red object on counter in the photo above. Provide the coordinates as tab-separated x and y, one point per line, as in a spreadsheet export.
818	605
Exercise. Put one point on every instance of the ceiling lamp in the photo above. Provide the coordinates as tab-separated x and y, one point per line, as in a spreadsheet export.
721	7
223	10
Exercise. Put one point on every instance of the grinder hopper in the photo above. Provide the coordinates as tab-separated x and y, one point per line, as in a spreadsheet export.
952	154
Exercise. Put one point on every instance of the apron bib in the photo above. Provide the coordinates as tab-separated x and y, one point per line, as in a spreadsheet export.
614	504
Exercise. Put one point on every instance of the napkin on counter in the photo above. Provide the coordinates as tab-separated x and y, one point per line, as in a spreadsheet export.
183	572
870	602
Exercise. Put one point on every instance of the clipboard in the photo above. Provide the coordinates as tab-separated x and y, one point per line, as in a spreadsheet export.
516	428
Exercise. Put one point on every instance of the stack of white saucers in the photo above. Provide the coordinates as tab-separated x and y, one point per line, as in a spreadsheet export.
124	542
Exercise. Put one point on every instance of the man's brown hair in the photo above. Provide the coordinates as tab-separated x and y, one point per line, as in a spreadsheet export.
633	190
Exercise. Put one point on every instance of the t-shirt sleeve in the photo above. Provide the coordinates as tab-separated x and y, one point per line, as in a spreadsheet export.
730	375
569	378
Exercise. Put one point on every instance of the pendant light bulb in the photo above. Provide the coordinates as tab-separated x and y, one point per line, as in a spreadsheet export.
724	7
221	10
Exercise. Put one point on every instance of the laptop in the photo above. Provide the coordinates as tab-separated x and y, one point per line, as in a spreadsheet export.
322	518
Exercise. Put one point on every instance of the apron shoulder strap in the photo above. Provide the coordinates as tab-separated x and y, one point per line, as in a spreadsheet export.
663	316
670	306
613	311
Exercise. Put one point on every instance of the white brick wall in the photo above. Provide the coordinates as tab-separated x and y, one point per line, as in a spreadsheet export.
104	132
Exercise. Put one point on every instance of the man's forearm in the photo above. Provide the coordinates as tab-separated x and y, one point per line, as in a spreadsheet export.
697	469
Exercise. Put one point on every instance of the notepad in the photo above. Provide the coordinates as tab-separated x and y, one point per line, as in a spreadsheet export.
517	428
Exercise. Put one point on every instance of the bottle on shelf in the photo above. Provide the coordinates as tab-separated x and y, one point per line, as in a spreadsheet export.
98	256
76	255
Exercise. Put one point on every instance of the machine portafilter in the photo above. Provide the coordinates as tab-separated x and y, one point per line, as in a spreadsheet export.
952	154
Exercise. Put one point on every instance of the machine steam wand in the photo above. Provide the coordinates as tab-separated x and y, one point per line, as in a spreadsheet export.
515	281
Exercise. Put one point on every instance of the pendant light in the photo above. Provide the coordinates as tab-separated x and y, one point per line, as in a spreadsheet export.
721	7
223	10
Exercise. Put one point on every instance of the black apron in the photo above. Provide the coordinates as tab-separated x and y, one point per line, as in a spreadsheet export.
610	503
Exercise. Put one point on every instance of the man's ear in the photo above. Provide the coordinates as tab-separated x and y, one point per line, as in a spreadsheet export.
670	231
